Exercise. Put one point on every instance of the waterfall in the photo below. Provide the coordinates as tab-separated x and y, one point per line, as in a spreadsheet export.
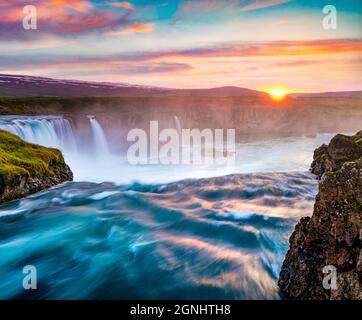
178	124
55	132
100	141
50	131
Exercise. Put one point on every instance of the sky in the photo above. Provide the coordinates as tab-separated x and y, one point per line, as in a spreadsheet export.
257	44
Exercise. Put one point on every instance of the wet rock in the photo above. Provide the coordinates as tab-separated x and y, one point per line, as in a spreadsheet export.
332	236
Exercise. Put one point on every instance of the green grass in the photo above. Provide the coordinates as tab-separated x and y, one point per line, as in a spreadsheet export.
29	106
18	157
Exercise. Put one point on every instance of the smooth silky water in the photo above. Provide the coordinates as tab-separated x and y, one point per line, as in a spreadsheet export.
151	232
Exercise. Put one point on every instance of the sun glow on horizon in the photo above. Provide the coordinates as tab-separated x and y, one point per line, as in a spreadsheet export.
277	93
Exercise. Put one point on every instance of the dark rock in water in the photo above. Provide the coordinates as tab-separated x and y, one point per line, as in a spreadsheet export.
333	235
27	168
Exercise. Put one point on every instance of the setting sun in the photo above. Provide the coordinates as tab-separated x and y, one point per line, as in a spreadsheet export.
277	93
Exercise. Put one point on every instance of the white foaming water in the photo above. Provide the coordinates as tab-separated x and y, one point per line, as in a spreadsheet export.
268	155
178	124
216	238
49	131
232	231
100	141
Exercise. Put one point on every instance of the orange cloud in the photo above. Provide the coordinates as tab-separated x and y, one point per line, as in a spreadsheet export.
137	27
124	4
141	27
270	49
79	5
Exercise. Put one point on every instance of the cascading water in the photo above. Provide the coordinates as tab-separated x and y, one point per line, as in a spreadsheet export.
178	124
57	132
54	131
211	238
217	238
48	131
100	141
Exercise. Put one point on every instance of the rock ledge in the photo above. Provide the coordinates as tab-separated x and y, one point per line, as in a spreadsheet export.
27	168
333	234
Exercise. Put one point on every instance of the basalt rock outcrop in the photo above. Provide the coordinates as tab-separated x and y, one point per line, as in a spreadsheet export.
27	168
332	236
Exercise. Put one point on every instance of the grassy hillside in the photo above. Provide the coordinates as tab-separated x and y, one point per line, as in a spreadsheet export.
18	157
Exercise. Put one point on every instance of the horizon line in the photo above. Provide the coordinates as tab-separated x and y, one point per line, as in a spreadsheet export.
290	92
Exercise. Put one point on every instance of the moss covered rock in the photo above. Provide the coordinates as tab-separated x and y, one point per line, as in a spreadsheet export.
27	168
341	149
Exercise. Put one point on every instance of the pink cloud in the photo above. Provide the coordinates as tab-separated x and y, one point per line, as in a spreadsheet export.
244	5
202	5
67	17
78	23
301	53
268	49
298	63
261	4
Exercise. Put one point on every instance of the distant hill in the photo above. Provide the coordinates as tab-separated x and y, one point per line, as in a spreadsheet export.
214	92
328	94
29	86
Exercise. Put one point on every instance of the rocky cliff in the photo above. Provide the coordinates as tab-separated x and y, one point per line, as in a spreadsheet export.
27	168
333	235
